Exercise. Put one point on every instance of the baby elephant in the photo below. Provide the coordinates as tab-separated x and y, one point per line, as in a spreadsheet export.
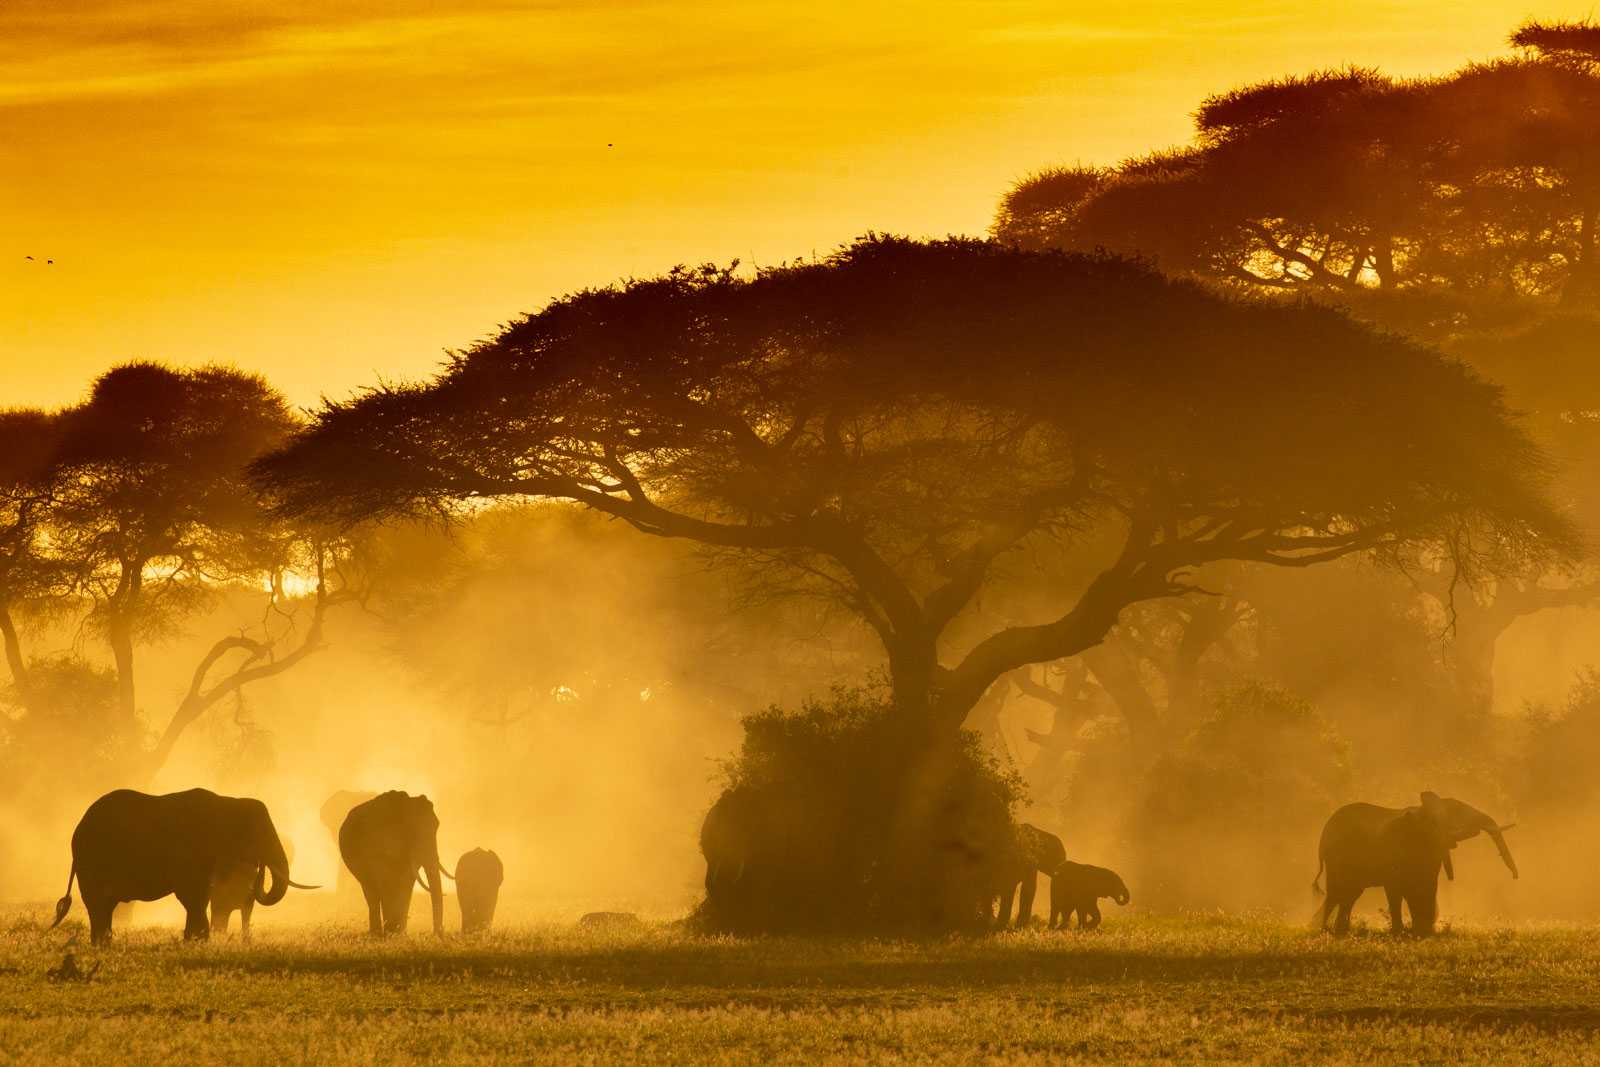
1078	887
478	877
234	888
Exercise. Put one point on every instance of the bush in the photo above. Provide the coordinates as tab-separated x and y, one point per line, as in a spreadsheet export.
839	818
1231	820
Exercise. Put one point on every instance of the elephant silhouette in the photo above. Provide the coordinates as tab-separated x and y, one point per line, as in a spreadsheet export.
386	842
1364	846
1033	851
479	874
1076	888
136	846
233	889
333	812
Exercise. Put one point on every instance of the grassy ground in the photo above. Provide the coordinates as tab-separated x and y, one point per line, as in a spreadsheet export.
1191	990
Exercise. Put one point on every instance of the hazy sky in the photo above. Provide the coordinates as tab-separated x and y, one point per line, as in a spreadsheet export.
333	192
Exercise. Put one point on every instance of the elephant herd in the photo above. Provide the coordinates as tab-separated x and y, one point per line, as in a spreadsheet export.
216	851
1363	846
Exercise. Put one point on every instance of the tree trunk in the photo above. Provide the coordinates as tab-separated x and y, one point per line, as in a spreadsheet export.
16	662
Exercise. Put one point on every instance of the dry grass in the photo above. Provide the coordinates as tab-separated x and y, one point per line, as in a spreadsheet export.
1194	989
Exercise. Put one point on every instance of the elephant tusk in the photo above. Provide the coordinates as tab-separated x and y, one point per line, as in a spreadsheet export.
1506	827
297	885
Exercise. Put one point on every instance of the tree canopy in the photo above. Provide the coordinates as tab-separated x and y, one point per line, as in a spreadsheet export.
1348	181
904	425
132	512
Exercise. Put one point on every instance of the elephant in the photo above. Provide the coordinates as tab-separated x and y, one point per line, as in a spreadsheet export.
767	861
1078	887
135	846
1400	849
334	809
478	877
385	842
233	890
1032	851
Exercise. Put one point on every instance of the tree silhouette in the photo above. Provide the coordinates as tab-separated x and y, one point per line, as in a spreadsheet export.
904	426
132	510
1348	182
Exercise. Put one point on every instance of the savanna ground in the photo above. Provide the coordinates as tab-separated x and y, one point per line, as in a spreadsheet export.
1192	989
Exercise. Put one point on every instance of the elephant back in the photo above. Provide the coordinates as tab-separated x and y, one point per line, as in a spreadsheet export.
480	867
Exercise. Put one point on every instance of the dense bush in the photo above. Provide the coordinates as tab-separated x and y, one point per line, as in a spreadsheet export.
1231	820
835	819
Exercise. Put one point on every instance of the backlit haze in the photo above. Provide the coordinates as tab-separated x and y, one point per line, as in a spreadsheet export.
329	194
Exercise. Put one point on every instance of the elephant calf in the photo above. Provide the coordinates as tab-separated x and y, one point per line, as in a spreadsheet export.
234	888
1078	887
478	877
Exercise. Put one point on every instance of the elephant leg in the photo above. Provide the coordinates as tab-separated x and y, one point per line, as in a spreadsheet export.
1344	902
99	909
1004	915
244	918
397	908
1093	921
1424	912
374	912
219	917
197	926
1396	926
1030	887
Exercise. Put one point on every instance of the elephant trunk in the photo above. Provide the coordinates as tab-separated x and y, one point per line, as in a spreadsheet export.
1122	898
280	880
1496	833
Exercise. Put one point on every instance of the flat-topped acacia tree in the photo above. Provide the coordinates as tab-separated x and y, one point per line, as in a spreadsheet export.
905	426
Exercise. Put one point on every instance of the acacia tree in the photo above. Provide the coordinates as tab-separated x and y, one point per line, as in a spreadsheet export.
132	512
1350	183
904	425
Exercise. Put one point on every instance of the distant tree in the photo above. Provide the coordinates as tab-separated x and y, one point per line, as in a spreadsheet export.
1352	184
902	426
132	512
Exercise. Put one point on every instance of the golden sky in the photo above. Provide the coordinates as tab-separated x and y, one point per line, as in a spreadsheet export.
330	192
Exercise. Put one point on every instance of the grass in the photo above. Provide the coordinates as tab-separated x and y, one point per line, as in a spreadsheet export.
1195	989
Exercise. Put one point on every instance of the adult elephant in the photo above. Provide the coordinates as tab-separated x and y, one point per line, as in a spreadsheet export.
333	813
386	842
1401	849
768	862
135	846
1033	852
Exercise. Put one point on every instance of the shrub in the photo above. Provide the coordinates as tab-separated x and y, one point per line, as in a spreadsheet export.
835	819
1231	820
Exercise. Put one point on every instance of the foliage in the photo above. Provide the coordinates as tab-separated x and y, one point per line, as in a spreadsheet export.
884	428
828	784
1220	822
130	514
1472	186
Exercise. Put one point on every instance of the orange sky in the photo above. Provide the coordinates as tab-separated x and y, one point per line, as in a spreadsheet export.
330	192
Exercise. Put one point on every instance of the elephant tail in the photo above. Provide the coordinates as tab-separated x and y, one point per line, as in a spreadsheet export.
1316	883
65	903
